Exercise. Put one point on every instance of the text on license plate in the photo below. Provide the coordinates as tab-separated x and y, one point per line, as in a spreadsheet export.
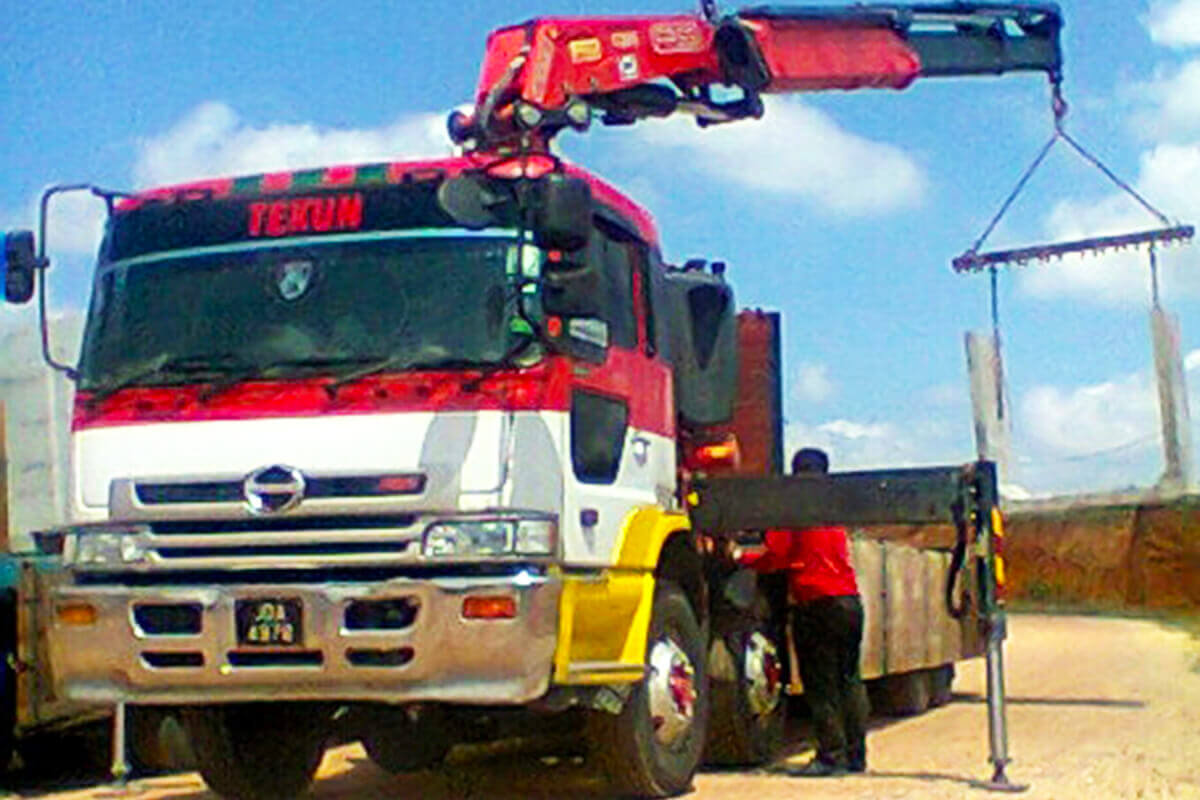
269	621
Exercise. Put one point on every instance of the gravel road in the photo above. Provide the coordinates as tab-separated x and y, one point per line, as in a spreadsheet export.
1098	708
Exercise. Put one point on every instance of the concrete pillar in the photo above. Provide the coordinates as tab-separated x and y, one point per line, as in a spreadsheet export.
985	370
1178	467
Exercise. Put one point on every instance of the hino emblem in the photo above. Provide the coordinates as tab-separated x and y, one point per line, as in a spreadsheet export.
293	278
270	490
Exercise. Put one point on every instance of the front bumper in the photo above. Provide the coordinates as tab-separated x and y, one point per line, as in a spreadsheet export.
447	658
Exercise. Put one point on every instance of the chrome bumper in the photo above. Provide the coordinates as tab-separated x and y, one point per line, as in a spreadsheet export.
449	658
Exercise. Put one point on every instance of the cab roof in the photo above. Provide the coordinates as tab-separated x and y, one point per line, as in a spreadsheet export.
348	176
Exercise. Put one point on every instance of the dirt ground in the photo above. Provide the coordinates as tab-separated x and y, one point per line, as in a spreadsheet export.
1098	708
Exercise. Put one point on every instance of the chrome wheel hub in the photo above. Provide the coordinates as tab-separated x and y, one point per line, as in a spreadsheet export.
763	674
672	689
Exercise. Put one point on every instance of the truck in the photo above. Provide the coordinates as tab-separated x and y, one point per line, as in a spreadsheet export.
420	452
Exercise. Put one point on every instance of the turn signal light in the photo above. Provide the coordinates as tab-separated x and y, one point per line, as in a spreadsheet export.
78	614
722	454
489	607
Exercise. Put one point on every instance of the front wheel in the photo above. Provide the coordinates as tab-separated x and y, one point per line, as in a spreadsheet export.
258	751
408	739
654	746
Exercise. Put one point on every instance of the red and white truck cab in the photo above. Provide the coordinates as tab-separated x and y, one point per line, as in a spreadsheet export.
329	444
395	434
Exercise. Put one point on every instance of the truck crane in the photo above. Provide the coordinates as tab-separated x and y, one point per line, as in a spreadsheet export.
392	450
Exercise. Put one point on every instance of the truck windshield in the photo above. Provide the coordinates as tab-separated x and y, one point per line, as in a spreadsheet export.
446	301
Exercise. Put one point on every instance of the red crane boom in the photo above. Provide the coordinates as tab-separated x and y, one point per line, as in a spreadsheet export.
552	72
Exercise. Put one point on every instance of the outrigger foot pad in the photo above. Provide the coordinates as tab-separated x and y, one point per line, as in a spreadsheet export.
1000	783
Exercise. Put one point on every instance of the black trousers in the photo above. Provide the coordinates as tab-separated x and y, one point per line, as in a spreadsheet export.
828	636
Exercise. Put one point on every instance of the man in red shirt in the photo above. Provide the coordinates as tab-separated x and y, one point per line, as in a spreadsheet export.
827	627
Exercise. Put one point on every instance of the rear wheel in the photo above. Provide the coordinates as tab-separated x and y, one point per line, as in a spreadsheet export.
746	726
407	739
258	751
905	694
941	685
653	747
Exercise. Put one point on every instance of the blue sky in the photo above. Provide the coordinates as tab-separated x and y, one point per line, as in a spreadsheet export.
842	210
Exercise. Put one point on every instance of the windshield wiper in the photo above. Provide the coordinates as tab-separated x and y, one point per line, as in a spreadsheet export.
163	365
401	362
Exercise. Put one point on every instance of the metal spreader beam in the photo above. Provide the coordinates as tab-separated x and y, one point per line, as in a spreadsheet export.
978	262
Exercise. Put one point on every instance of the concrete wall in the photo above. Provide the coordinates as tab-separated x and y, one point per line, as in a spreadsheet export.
1141	556
37	405
1139	553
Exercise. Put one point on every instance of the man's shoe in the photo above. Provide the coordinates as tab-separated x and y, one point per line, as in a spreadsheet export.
818	769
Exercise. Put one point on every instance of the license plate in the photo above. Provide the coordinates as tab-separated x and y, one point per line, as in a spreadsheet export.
269	622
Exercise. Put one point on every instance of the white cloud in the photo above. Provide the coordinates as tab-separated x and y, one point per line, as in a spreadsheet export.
856	431
879	445
1175	24
812	384
1089	420
1192	361
797	151
1171	102
212	140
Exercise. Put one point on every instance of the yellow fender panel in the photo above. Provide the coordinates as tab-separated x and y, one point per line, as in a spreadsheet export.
604	618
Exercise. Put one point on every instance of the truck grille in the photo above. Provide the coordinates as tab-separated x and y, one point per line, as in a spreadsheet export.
282	542
232	491
280	525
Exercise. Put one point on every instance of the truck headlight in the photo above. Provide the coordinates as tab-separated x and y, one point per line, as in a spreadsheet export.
490	537
535	537
106	548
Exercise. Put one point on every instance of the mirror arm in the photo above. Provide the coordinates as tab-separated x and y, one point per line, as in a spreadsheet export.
43	263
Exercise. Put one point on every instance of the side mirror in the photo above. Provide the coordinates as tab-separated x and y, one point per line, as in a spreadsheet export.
562	212
18	266
469	201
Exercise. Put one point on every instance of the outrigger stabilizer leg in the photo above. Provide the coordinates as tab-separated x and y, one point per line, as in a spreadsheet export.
989	533
120	761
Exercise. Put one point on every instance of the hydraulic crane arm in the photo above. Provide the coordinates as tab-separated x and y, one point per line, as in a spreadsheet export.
548	73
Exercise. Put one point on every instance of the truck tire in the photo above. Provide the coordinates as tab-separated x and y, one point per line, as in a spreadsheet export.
407	740
941	685
746	725
653	747
157	742
258	751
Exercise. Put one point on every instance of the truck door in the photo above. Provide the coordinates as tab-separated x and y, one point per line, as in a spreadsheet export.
621	422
